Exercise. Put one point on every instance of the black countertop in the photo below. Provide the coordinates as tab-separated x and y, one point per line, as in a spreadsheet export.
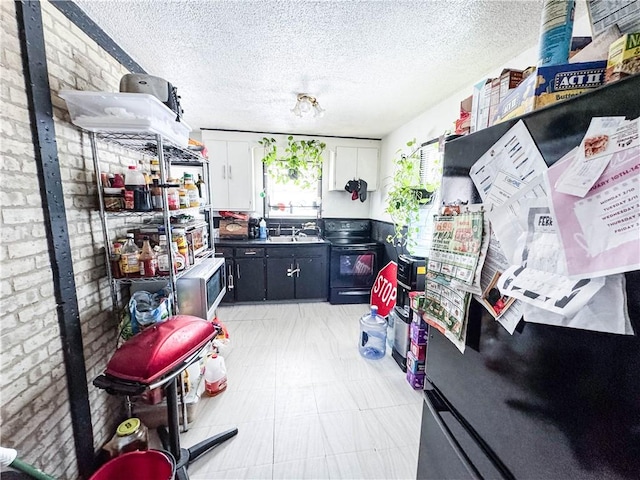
257	242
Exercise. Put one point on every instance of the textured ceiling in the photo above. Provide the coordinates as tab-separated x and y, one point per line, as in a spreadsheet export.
373	65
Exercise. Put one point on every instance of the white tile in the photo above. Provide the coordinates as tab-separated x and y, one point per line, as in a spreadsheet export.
293	402
308	468
238	407
251	447
334	397
306	404
399	463
397	426
298	438
356	465
347	432
372	393
259	472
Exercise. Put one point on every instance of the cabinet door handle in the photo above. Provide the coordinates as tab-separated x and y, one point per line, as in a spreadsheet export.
297	270
238	270
224	172
250	253
291	271
229	172
230	278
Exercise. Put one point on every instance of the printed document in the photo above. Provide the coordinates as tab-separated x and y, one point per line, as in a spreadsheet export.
600	233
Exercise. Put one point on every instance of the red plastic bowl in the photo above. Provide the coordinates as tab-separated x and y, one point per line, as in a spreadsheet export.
141	465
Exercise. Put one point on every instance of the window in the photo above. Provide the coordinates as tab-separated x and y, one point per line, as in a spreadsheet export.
292	194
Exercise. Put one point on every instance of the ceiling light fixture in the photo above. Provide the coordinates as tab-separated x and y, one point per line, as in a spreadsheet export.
305	104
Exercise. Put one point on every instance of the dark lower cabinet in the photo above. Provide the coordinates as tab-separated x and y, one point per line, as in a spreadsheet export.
312	279
280	282
297	273
286	272
250	284
245	274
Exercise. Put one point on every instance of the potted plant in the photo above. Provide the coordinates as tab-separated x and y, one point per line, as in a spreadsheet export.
406	195
301	162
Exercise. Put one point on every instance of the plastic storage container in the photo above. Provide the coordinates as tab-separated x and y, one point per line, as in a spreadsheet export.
125	113
373	335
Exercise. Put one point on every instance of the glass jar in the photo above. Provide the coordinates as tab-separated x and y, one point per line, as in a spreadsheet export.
130	435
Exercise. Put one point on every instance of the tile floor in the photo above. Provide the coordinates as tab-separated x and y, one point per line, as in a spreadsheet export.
305	403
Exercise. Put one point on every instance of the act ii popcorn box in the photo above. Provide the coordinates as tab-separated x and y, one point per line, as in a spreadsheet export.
551	84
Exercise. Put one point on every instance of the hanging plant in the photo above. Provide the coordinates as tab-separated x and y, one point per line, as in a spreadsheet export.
406	195
300	163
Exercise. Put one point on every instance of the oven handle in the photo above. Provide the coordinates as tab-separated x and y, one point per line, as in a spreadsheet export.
354	248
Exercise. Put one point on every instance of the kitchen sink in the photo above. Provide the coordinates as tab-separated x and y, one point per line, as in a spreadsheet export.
296	239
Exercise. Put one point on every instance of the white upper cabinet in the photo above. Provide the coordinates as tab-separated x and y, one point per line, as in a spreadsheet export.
353	163
231	170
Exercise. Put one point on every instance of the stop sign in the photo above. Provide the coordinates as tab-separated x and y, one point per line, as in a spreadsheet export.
384	291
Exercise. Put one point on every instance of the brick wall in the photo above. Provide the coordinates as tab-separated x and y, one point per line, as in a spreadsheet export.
33	391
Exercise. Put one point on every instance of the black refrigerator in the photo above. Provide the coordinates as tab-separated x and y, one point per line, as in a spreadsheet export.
546	402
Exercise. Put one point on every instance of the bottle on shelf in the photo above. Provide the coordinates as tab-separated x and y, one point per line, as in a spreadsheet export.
173	196
180	237
156	195
184	197
202	189
148	261
192	191
129	258
136	189
179	262
162	256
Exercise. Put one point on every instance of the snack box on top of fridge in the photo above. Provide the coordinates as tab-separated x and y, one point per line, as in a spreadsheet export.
551	84
624	57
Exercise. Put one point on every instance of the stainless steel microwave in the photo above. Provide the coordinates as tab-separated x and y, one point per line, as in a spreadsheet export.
199	290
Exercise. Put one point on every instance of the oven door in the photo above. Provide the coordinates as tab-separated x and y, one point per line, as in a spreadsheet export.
353	266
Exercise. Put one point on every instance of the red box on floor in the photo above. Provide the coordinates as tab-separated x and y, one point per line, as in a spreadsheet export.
419	351
416	380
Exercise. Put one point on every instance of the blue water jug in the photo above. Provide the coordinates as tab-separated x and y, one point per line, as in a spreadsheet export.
373	335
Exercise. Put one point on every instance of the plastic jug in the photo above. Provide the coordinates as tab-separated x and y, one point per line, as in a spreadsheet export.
215	375
373	335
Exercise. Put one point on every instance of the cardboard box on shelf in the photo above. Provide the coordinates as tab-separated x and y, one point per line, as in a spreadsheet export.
548	85
509	79
624	57
480	105
463	124
494	100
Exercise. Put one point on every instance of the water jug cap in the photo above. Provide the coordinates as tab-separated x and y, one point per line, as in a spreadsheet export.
128	427
132	167
374	310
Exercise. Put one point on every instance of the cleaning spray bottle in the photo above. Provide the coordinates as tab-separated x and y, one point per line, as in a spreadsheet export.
263	229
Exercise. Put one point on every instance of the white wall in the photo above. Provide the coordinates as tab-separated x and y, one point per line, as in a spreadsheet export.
440	118
334	203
